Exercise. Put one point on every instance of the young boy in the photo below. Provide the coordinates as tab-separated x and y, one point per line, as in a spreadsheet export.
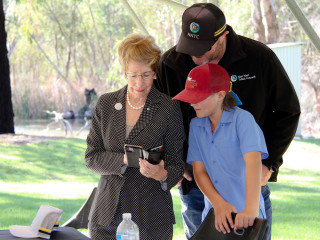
226	146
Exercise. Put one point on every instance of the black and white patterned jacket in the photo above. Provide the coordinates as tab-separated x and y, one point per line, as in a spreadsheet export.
160	123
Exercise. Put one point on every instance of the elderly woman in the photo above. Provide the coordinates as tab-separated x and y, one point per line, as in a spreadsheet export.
139	115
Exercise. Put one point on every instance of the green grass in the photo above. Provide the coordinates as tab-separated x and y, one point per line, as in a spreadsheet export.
296	205
51	173
60	160
54	173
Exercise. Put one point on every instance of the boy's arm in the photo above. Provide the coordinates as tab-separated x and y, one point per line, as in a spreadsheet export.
253	190
222	209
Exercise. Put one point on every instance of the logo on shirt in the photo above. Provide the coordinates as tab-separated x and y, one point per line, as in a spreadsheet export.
190	83
242	77
194	27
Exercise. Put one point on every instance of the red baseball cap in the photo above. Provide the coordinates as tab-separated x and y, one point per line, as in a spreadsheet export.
204	80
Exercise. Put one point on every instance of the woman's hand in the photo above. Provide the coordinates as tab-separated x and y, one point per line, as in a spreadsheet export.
245	219
149	170
222	212
125	160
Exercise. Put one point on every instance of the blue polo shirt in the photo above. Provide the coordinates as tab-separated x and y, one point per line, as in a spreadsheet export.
236	134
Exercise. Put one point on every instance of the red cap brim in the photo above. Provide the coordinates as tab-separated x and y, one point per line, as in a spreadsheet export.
191	96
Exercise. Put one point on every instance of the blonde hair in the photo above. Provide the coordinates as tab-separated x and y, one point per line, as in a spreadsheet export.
141	49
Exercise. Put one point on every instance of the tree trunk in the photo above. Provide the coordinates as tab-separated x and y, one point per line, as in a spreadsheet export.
6	110
258	27
270	16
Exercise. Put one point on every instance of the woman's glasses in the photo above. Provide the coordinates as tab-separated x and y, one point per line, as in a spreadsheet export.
146	76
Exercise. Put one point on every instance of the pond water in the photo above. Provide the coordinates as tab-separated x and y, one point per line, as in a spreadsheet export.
50	127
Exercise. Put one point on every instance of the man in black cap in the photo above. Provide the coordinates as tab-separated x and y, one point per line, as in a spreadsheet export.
258	79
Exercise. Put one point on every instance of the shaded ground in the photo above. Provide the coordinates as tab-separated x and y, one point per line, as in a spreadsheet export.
23	139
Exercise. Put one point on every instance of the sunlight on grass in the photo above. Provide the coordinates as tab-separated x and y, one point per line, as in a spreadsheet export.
295	204
6	157
303	155
178	232
175	192
296	178
50	189
58	160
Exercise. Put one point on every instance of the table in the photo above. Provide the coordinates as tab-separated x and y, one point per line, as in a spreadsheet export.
61	233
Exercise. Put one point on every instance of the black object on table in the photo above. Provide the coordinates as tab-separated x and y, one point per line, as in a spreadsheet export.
61	233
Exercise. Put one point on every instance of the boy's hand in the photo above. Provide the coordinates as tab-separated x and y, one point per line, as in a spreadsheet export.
245	219
222	212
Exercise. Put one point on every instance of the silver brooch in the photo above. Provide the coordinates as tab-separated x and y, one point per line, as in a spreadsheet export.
118	106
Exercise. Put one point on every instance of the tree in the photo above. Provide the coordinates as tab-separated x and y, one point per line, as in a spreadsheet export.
258	27
58	48
6	110
265	23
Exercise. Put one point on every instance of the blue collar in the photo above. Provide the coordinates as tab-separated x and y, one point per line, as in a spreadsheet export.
227	117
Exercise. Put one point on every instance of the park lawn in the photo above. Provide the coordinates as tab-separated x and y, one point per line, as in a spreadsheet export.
296	205
54	173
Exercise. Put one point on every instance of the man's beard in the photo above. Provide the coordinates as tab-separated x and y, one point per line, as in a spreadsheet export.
210	57
216	53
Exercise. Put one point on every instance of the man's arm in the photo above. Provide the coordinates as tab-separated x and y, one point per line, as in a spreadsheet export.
284	113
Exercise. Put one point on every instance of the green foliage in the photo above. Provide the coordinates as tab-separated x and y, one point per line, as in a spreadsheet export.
25	106
238	15
64	46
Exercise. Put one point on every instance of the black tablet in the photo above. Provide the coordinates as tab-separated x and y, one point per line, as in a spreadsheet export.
133	153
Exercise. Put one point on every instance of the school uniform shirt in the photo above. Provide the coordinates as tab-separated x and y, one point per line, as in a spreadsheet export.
259	80
222	153
160	123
